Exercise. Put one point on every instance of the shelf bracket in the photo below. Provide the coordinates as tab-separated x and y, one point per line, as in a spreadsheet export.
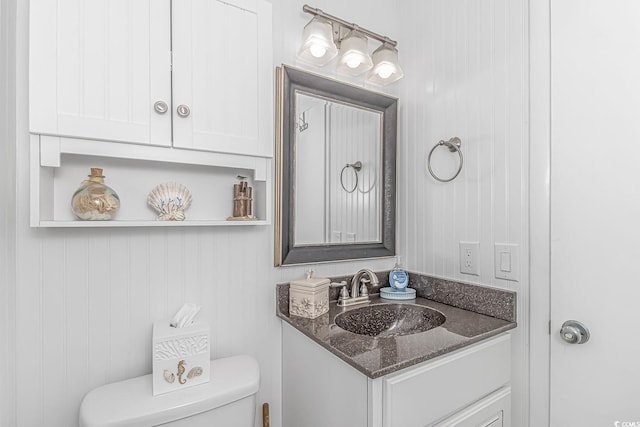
50	151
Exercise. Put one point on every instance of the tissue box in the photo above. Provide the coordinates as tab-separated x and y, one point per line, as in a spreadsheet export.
309	297
181	356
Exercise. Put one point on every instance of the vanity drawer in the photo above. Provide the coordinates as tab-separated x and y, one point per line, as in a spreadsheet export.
492	411
426	393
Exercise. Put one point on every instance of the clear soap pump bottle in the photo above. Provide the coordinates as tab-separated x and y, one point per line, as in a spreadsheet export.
398	278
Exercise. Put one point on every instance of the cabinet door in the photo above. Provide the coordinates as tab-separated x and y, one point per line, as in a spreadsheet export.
492	411
222	72
421	395
97	68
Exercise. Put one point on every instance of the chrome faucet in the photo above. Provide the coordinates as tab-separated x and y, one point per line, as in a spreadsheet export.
359	291
358	281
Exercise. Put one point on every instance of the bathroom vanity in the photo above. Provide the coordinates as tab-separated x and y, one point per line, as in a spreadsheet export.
454	374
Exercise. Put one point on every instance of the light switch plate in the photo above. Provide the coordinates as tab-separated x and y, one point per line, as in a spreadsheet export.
507	261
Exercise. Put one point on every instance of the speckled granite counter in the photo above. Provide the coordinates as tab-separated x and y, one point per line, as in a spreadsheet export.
375	356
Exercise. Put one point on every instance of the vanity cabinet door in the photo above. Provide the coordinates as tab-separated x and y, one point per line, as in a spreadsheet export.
422	395
222	76
492	411
98	67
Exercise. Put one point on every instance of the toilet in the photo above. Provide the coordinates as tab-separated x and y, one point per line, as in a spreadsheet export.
227	400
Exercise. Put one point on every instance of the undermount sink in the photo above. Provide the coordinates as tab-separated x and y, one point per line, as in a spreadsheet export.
390	320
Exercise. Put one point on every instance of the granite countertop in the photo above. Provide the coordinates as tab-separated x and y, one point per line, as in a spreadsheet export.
377	356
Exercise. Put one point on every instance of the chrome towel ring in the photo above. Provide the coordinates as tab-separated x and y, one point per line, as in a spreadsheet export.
454	145
356	168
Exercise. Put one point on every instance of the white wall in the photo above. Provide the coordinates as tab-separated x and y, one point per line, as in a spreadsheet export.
310	187
7	213
354	136
86	298
466	75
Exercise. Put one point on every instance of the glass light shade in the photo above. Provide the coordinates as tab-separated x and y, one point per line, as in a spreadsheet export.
385	66
354	57
317	46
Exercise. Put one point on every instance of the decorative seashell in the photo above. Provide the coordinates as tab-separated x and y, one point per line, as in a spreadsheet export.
170	200
169	377
194	372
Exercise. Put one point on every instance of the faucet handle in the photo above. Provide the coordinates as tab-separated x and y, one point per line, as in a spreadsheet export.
364	291
344	292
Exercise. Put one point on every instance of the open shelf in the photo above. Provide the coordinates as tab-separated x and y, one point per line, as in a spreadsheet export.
116	223
59	165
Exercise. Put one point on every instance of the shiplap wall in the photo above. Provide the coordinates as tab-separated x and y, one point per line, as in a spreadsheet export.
466	75
354	136
85	298
7	213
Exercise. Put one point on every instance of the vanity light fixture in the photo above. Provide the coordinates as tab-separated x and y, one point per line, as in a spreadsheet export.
318	47
325	34
354	54
385	65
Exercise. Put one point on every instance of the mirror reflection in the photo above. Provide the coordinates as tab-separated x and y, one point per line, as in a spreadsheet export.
337	163
335	170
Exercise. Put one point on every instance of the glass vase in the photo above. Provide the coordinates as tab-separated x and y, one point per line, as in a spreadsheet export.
93	200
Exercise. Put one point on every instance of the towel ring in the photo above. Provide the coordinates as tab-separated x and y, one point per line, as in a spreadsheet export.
454	145
356	168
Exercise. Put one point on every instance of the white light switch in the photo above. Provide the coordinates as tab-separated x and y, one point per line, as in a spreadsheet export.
507	261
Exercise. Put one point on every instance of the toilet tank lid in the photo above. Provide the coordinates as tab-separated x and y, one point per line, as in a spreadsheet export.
131	402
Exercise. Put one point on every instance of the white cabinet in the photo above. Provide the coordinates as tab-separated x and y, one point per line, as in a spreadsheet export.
150	91
466	388
222	72
102	70
97	67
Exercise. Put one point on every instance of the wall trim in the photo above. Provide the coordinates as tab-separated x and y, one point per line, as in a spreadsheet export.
539	200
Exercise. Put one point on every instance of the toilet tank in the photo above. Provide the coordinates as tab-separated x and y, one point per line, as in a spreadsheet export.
227	400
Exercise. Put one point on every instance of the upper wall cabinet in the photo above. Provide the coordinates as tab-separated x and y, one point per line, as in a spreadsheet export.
192	74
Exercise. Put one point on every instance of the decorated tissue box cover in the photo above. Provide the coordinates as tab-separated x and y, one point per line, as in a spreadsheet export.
181	356
309	297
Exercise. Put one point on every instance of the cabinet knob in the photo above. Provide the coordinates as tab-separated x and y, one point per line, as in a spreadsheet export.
161	107
183	110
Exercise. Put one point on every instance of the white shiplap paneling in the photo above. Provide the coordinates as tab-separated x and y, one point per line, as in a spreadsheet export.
466	74
7	213
354	195
86	297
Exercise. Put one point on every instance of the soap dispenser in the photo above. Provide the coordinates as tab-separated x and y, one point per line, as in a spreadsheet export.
399	280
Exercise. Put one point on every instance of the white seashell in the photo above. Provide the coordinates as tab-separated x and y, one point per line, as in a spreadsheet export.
194	372
170	200
169	377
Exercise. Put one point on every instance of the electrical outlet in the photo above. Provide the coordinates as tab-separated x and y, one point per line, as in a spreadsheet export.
469	258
